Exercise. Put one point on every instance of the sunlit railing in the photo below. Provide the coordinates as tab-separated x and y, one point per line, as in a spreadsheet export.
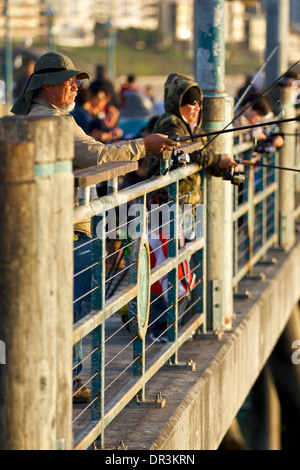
119	354
121	256
255	217
122	276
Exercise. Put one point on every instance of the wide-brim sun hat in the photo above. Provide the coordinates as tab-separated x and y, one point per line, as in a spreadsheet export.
50	69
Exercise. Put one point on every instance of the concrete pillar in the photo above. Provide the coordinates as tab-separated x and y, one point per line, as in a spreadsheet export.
284	364
276	394
278	21
210	45
287	178
210	74
265	413
228	228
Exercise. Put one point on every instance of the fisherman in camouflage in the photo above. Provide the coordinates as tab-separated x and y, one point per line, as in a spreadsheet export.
182	117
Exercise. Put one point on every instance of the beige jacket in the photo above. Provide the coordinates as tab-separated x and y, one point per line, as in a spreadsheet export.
88	151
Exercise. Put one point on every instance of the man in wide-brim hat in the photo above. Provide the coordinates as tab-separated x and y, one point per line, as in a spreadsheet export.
50	69
51	91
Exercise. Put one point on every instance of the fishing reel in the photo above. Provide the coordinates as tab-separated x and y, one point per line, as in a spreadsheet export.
265	146
234	177
178	158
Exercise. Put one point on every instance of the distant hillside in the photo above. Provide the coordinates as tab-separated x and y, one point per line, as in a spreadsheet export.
129	60
145	62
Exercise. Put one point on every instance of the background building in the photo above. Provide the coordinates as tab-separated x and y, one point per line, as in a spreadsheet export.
74	23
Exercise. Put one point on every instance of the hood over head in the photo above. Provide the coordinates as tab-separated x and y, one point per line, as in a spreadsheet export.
176	86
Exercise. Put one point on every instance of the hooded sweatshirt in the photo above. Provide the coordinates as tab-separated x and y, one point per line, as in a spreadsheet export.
173	124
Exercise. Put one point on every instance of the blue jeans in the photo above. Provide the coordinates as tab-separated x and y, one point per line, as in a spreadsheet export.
158	318
82	285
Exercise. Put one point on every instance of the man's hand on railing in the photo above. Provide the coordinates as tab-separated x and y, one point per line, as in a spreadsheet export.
156	143
227	162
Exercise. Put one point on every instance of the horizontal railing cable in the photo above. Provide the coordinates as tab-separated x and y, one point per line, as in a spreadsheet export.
118	330
120	352
120	375
86	269
88	242
120	272
85	358
84	295
85	409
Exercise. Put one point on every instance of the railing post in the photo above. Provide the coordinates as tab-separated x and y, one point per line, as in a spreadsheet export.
98	334
36	287
287	178
173	274
228	228
210	67
144	293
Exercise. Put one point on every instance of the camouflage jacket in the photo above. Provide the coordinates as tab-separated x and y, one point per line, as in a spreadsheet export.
172	124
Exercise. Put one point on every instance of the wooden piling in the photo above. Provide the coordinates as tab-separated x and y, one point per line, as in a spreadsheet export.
36	237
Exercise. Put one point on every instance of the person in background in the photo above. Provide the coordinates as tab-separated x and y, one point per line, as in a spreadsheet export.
28	70
290	80
128	86
86	114
2	91
103	80
149	92
140	174
255	108
101	105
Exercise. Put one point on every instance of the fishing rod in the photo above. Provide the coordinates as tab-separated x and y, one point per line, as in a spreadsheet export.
294	134
276	167
255	77
185	138
237	178
256	100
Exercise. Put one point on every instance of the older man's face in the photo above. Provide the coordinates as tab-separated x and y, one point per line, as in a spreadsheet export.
63	95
